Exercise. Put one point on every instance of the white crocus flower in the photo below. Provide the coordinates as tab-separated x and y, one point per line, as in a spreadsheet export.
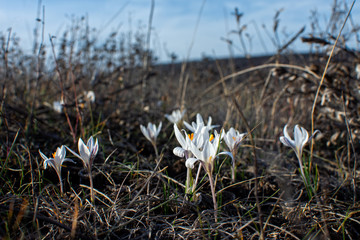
301	137
87	152
233	139
57	159
197	139
357	70
175	116
207	154
151	133
87	155
90	96
57	106
183	141
199	122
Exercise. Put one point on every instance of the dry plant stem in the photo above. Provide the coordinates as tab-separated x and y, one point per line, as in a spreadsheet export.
6	56
252	69
228	113
248	129
353	148
146	58
71	75
183	66
321	82
183	94
75	219
73	134
212	186
233	171
226	92
61	187
4	166
143	187
285	46
38	69
32	174
91	186
272	211
156	152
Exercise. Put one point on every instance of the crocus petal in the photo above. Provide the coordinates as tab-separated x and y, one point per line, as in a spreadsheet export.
313	135
84	151
145	132
305	136
60	152
170	118
43	155
90	143
193	148
188	126
298	137
286	142
158	130
190	162
74	153
52	163
179	136
287	136
199	118
47	162
95	148
227	153
209	123
180	152
68	160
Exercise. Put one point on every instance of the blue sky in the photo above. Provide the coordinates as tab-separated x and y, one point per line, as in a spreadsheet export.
174	21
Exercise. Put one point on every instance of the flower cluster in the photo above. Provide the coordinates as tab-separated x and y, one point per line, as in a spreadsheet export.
203	146
199	144
87	155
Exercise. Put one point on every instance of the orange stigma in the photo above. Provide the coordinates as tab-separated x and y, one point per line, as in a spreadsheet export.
211	137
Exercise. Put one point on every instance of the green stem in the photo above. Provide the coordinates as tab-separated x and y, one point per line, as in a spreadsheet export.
156	152
196	179
308	185
188	180
61	186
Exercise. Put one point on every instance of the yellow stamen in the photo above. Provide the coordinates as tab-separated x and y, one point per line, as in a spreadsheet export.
234	138
211	137
191	136
54	154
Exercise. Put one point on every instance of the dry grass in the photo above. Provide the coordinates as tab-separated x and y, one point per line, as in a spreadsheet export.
137	198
